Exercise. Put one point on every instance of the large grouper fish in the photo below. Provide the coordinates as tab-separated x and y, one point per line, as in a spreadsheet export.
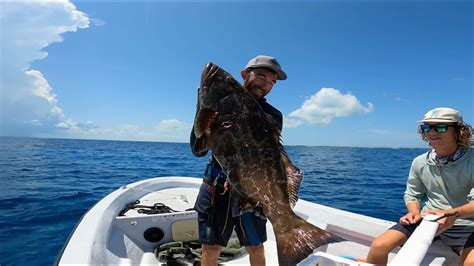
246	143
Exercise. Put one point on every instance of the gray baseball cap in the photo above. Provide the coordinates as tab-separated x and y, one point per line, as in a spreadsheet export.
442	114
267	62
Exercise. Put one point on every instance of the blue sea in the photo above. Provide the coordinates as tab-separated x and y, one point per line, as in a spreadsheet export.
46	185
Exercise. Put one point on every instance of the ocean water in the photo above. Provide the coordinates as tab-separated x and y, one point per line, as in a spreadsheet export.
46	185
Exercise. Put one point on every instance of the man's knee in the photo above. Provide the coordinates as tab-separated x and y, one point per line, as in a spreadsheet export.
388	241
256	254
257	250
380	243
211	250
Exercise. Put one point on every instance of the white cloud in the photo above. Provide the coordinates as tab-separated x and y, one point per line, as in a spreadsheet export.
97	22
322	107
172	125
27	100
29	106
170	130
41	87
173	130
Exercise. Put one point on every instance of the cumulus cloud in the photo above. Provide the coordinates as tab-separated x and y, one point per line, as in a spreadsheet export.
28	102
29	106
327	104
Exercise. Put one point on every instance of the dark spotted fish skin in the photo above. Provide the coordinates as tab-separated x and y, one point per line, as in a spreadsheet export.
245	142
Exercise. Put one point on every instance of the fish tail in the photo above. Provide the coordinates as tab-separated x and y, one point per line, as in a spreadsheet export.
299	242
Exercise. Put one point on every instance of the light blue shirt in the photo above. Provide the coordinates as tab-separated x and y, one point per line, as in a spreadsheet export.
442	187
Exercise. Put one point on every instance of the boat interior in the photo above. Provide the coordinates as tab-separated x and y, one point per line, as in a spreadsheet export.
123	231
182	226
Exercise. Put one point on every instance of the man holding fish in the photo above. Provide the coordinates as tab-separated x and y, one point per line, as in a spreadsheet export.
259	76
250	177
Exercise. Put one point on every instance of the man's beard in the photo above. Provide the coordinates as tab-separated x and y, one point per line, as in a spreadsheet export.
253	88
247	84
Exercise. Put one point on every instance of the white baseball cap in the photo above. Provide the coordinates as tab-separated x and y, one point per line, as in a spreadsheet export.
442	114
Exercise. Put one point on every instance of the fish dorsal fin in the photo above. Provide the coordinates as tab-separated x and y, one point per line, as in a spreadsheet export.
294	175
204	119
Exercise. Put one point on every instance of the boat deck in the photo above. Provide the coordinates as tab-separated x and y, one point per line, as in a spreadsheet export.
104	236
181	199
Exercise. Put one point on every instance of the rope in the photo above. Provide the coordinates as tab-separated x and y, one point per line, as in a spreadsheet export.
157	208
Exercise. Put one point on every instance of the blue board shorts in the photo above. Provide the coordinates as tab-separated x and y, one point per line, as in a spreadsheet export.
458	237
216	229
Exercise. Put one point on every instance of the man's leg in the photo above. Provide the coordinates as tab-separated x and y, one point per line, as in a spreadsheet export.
209	254
461	239
256	254
214	231
467	257
467	254
382	245
252	233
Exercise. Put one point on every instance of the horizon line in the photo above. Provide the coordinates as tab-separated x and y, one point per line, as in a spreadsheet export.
174	142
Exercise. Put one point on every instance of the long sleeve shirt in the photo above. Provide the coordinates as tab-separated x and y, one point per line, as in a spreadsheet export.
442	187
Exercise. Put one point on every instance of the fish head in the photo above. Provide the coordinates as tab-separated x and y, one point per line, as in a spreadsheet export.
221	126
216	84
228	116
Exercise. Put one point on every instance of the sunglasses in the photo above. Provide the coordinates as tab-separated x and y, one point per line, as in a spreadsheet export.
439	128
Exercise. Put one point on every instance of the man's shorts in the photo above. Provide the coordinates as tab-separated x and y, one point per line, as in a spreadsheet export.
216	225
458	237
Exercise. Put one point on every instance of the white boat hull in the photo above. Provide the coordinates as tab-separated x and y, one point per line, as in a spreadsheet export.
104	237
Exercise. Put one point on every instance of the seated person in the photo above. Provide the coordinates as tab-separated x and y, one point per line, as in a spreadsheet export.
442	181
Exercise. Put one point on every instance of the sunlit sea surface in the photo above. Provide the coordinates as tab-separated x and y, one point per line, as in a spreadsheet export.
46	185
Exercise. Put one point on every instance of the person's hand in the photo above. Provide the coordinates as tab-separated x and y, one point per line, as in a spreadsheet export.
444	223
410	218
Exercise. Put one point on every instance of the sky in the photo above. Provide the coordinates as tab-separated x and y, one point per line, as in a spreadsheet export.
360	74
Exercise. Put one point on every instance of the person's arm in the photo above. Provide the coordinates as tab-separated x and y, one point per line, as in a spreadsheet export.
466	210
198	145
414	192
413	216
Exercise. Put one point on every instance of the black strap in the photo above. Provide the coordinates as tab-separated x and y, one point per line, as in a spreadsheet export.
157	208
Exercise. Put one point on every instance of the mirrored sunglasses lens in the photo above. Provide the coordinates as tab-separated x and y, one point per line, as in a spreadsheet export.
425	128
441	128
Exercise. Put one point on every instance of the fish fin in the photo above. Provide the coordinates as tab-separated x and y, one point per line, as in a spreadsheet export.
203	121
294	175
200	146
300	241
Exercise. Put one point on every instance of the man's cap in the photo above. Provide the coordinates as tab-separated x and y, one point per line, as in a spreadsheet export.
267	62
442	114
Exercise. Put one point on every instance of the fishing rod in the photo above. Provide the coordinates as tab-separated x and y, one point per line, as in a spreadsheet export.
455	214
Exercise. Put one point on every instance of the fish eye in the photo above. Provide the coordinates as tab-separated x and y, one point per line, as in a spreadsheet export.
226	124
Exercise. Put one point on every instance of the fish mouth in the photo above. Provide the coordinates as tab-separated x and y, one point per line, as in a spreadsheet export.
208	74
